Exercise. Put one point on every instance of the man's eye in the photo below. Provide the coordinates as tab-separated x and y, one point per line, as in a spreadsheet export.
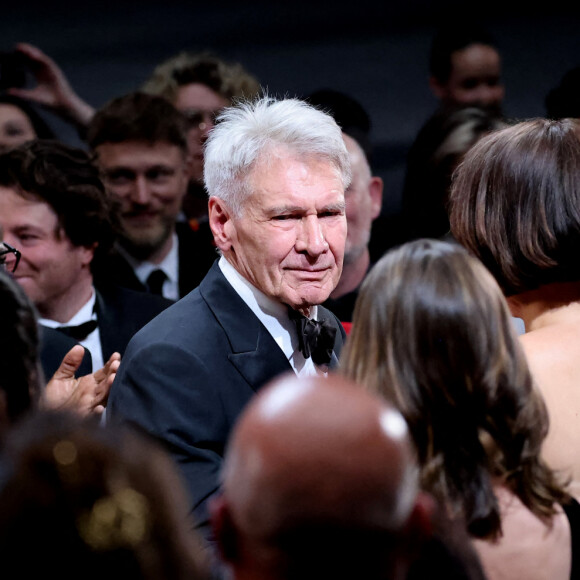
158	175
118	179
283	217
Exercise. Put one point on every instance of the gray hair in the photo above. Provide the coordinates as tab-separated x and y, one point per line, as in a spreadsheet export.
248	130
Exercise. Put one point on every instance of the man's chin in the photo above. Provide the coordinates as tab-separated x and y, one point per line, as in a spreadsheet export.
308	296
142	247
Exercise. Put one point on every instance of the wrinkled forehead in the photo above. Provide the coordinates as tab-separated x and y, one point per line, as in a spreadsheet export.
275	153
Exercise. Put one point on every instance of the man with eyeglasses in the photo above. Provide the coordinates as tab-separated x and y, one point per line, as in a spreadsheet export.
140	146
200	85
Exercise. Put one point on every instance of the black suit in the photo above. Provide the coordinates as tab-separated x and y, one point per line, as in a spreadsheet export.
121	312
196	254
53	346
187	375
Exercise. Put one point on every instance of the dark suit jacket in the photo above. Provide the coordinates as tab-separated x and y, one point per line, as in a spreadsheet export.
196	254
121	312
53	346
187	375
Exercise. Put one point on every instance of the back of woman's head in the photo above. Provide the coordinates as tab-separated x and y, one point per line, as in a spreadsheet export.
431	332
515	203
21	377
95	502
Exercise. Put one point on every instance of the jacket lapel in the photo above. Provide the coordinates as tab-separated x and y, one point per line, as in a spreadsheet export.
325	314
253	350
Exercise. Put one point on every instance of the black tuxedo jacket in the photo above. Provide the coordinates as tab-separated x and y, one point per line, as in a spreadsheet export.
53	346
196	253
121	312
188	373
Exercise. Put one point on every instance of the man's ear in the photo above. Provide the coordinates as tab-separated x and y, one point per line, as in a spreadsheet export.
220	223
514	305
376	192
89	253
419	526
437	88
223	529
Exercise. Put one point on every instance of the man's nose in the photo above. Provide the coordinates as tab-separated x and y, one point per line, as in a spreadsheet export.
311	238
141	191
487	95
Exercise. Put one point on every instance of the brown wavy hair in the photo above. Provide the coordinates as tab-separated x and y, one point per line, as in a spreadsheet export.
432	333
230	80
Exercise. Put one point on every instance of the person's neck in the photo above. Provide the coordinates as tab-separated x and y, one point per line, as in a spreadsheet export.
66	305
352	275
550	304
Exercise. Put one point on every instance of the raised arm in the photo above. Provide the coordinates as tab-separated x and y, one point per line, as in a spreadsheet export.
53	90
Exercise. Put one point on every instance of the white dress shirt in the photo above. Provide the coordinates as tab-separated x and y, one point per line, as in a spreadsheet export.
169	265
274	316
93	341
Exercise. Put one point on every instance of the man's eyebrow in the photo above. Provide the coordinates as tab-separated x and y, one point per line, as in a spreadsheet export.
283	209
117	169
338	206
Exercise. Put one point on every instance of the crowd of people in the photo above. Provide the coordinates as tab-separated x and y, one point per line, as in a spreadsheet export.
218	364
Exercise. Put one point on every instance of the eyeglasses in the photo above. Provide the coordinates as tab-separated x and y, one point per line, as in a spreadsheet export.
9	257
201	120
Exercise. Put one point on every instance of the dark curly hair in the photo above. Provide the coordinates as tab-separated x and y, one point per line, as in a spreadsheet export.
66	179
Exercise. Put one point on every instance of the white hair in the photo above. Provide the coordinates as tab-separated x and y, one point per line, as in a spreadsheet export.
250	129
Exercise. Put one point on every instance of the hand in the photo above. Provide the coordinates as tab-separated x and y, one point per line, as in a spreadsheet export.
85	395
52	90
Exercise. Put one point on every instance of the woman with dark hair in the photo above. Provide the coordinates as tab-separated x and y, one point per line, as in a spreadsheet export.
93	503
432	333
21	377
448	136
19	123
515	205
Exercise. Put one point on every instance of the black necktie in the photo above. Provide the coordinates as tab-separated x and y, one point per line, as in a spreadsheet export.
79	332
155	281
315	338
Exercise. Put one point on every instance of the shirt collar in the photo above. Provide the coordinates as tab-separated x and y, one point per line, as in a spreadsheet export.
271	313
86	313
169	264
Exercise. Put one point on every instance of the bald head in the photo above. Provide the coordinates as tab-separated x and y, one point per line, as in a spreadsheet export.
312	454
363	198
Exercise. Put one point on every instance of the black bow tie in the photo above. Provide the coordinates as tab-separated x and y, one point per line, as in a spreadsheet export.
79	332
315	338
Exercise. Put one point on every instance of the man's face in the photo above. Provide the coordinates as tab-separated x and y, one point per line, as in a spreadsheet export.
475	77
289	239
50	265
363	202
149	180
200	104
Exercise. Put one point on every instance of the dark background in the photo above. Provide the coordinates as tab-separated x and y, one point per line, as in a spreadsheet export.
376	52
